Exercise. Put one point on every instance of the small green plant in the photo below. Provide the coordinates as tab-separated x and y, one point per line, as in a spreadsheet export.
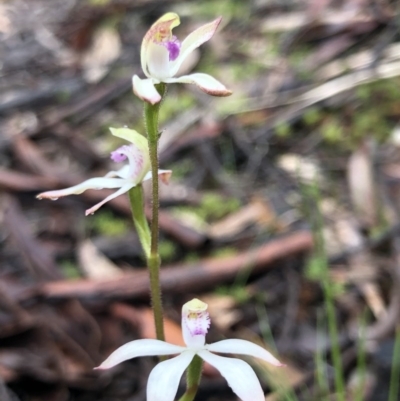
167	250
106	223
312	198
239	293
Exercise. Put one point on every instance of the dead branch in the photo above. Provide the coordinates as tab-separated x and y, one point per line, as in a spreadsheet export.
197	276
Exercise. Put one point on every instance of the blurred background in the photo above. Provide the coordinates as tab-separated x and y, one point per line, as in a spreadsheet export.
282	213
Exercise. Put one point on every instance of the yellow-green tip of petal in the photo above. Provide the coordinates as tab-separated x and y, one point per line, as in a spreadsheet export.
129	135
195	305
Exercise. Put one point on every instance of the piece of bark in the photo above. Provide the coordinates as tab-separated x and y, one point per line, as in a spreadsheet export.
12	180
197	276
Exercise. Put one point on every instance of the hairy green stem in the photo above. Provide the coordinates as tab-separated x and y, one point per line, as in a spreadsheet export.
139	218
193	377
153	260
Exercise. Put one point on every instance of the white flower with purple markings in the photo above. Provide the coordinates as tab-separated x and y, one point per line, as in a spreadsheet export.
136	171
165	377
162	54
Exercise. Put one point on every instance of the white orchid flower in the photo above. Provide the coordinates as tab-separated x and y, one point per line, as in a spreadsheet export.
162	54
165	377
130	175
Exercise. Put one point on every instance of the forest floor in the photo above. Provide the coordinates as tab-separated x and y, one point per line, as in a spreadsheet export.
283	211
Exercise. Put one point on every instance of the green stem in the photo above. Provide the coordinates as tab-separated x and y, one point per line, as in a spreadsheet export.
151	119
139	218
395	373
193	377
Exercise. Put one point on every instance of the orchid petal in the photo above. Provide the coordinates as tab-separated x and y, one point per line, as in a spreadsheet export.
132	136
122	190
195	323
158	32
243	347
193	41
137	153
134	349
92	183
205	82
239	375
165	377
122	172
158	63
145	90
164	175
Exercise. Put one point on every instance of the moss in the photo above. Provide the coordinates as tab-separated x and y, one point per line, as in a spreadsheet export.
283	130
182	168
332	131
214	206
69	269
228	8
105	223
167	250
175	104
239	293
312	116
224	252
191	257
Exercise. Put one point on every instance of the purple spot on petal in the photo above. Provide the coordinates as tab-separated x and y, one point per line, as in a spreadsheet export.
173	47
117	156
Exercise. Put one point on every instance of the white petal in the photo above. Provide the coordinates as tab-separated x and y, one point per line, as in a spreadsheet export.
165	377
157	59
137	348
239	375
193	41
145	90
205	82
92	183
122	172
236	346
121	191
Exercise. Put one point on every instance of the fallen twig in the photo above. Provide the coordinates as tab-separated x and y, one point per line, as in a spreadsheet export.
184	278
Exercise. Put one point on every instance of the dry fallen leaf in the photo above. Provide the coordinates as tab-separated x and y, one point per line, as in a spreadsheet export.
105	49
95	265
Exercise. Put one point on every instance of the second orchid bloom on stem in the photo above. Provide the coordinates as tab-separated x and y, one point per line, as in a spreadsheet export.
165	377
162	54
135	172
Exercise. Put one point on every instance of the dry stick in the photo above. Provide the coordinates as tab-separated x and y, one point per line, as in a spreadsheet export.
198	276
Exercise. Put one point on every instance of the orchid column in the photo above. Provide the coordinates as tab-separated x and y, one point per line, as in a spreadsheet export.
162	54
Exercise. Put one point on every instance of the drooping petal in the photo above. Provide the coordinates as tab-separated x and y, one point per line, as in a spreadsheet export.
145	90
164	175
137	153
123	172
132	136
205	82
195	323
243	347
134	349
122	190
239	375
160	32
165	377
92	183
193	41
